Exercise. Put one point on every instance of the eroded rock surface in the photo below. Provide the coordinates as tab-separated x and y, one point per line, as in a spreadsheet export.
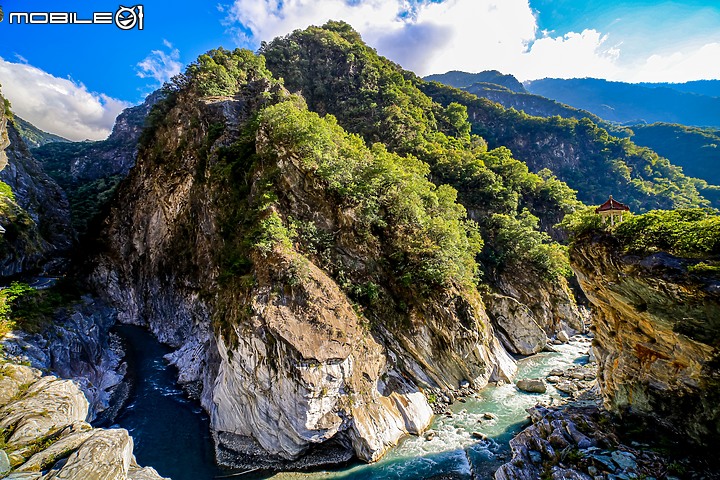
278	354
657	332
45	435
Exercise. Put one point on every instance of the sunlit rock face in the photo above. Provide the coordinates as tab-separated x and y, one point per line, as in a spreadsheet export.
284	361
657	331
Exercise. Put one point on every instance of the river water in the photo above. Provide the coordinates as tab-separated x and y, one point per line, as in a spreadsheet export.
172	433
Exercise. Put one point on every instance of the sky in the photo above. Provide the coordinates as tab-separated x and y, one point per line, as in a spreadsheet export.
74	79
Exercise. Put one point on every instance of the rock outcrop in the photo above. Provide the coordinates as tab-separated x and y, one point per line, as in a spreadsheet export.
577	443
530	310
77	345
45	435
657	333
285	362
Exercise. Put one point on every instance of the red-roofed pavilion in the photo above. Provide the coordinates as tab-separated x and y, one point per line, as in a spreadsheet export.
611	209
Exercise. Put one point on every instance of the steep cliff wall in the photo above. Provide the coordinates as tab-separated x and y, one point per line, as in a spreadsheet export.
657	333
89	172
33	210
290	319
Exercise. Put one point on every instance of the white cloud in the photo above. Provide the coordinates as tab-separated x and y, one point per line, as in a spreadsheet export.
58	105
160	65
697	63
472	35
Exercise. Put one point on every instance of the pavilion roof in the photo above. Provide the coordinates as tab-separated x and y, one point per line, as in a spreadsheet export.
612	204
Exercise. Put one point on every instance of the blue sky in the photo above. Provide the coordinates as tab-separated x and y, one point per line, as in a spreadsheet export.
74	79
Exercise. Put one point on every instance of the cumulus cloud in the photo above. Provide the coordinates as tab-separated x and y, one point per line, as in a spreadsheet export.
473	35
693	63
160	65
58	105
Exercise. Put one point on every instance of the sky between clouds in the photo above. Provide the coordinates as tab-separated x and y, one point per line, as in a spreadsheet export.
78	95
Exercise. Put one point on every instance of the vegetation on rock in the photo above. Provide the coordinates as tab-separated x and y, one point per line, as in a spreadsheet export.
580	153
369	95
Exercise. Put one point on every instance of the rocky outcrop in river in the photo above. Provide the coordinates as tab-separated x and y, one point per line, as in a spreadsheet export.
286	363
44	434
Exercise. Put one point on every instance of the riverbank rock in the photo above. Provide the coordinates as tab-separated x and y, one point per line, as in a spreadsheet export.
532	385
582	442
44	433
516	324
76	346
577	381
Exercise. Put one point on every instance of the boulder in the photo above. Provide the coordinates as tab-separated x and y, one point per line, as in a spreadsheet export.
531	385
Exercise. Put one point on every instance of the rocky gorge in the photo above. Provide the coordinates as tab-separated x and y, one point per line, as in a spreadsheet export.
325	293
44	429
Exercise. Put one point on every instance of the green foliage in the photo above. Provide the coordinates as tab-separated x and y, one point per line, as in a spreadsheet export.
272	233
517	242
583	221
7	108
424	227
339	74
33	136
8	298
693	233
598	164
87	197
373	97
696	150
222	72
35	309
702	268
6	191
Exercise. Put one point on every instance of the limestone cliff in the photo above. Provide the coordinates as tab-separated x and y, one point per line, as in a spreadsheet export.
77	345
531	309
44	435
235	250
657	333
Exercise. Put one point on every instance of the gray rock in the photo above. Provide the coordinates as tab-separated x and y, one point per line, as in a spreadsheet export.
48	404
531	385
566	387
563	336
4	462
517	326
624	460
554	379
605	462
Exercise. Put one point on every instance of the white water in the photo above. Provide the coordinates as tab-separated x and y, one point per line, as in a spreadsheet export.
453	450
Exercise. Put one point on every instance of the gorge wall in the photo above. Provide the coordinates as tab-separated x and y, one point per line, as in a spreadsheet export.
268	336
657	333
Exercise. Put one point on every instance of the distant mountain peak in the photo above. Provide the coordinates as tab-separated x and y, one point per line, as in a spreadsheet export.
458	79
